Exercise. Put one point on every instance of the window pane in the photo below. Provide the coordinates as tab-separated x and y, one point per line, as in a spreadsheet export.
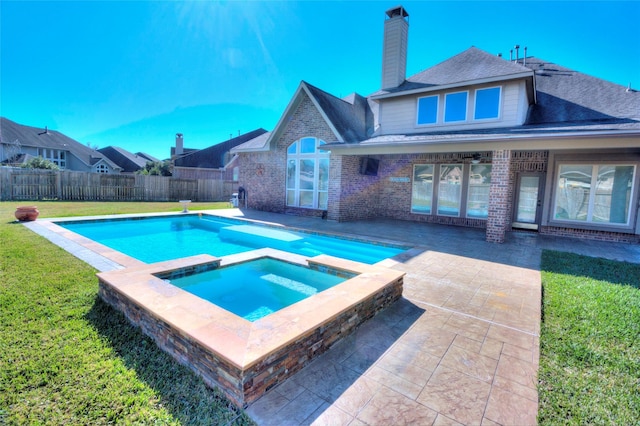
291	174
613	194
306	198
323	174
449	189
307	145
422	191
428	110
291	197
572	192
306	174
323	198
455	107
487	103
478	197
293	148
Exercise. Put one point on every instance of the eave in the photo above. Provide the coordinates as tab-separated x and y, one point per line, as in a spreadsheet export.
629	139
441	87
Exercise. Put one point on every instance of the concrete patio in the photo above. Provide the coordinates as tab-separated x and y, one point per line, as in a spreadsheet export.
461	347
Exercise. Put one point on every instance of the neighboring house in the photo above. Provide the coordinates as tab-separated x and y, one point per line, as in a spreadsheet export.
477	141
214	162
18	143
129	162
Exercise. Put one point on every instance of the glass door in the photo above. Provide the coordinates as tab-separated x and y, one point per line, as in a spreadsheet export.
528	203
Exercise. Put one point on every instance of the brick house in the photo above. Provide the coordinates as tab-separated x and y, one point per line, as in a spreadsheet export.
477	140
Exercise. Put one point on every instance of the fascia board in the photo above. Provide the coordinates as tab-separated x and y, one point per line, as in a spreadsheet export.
592	140
441	87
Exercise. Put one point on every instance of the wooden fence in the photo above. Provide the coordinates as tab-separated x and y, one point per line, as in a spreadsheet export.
33	184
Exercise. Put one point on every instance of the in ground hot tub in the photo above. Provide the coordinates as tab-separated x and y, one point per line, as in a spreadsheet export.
247	357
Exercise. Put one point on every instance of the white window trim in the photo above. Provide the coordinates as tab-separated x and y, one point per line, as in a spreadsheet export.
466	108
435	123
413	182
317	155
601	226
475	104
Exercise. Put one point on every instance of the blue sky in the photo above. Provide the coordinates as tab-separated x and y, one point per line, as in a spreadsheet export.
132	74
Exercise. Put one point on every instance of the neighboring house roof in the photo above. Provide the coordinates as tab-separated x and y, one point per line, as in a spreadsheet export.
213	157
256	144
43	138
147	157
128	161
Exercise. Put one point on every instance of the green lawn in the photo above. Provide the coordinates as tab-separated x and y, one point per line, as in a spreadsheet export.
68	358
590	341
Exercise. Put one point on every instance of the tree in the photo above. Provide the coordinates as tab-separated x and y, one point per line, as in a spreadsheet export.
156	168
40	163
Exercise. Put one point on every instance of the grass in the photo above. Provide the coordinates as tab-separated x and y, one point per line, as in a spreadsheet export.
590	341
68	358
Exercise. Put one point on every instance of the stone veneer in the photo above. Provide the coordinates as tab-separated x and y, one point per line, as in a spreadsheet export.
246	359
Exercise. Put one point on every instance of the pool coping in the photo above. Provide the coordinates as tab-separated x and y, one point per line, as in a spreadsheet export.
244	359
104	258
248	358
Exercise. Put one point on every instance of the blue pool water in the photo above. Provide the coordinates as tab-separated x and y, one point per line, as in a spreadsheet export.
155	239
257	288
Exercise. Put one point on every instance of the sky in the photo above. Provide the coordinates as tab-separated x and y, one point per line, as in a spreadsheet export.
134	73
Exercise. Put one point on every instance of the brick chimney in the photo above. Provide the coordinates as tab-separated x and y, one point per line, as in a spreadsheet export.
394	47
179	144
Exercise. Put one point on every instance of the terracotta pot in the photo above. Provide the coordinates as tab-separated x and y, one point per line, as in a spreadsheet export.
27	213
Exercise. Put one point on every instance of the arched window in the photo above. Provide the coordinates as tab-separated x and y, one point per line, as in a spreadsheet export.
307	174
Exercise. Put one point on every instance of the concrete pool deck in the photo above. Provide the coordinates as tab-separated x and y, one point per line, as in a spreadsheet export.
460	347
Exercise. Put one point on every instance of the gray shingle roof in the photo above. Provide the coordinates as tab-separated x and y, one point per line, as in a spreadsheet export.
351	117
567	95
213	156
469	65
39	138
128	161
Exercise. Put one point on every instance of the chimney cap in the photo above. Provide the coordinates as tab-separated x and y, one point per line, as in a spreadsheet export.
397	11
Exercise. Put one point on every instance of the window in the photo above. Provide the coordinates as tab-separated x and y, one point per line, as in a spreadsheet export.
102	168
307	179
422	190
450	189
428	110
594	193
478	191
54	155
455	107
487	104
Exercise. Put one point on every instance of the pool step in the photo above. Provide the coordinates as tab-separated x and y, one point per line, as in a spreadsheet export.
259	236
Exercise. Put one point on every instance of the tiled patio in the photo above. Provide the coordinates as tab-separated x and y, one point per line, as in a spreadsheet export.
461	347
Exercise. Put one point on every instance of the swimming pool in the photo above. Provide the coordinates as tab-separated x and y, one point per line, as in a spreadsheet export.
255	289
156	239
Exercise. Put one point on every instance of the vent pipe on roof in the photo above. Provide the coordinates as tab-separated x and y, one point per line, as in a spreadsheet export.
524	60
511	55
517	47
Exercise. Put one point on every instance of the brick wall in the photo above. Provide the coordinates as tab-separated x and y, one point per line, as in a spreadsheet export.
263	174
499	196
